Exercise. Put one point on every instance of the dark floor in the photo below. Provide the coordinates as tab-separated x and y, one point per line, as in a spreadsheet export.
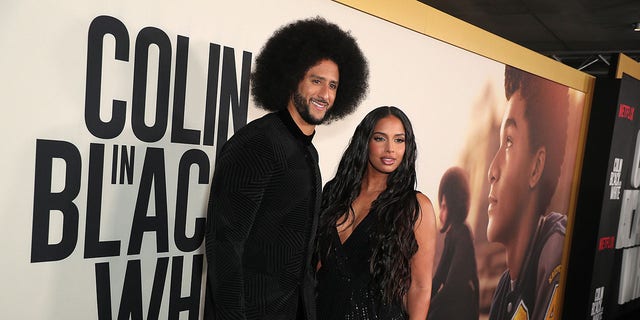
635	315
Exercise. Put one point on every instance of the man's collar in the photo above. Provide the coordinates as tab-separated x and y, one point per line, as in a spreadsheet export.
286	118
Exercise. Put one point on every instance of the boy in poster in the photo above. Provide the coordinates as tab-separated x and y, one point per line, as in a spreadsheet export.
523	177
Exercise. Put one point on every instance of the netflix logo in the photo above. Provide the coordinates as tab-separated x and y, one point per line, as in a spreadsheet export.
626	111
606	243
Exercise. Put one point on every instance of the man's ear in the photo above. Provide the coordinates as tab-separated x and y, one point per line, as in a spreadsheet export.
537	167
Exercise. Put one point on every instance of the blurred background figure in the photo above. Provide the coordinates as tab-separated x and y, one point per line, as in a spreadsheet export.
455	283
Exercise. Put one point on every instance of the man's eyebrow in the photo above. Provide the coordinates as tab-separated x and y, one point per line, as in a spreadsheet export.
322	78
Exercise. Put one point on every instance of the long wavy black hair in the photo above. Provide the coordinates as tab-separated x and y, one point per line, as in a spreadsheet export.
395	210
295	48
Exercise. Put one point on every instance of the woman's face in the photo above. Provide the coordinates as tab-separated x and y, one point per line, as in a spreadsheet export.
387	145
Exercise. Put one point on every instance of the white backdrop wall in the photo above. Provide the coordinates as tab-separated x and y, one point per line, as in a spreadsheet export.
103	216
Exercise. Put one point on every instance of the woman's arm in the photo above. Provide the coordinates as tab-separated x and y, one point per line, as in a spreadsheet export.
419	295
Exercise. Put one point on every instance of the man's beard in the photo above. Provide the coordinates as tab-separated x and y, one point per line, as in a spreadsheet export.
303	109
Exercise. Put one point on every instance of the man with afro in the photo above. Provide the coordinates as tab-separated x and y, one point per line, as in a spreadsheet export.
266	189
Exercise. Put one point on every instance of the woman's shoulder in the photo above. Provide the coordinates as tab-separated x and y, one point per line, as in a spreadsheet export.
423	200
426	209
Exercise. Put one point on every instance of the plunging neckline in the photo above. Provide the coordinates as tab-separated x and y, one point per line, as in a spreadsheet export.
345	285
355	229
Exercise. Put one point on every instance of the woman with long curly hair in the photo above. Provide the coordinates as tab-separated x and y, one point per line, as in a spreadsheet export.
376	238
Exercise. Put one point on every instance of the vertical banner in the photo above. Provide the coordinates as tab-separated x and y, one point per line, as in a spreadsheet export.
615	286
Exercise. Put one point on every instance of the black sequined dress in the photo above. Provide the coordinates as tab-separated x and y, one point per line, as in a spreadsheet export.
345	291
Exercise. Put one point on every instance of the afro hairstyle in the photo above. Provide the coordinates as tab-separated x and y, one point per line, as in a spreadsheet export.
295	48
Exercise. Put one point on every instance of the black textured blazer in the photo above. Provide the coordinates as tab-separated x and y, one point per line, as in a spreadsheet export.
262	220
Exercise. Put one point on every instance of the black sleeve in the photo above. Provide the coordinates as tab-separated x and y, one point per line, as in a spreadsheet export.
242	174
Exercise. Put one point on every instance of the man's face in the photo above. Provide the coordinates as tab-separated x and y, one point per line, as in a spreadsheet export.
509	174
317	92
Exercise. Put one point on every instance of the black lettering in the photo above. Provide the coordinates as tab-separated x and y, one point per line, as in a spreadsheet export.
114	164
229	98
191	157
93	247
212	94
153	173
190	303
158	288
178	132
131	299
101	26
103	291
126	165
44	200
147	37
